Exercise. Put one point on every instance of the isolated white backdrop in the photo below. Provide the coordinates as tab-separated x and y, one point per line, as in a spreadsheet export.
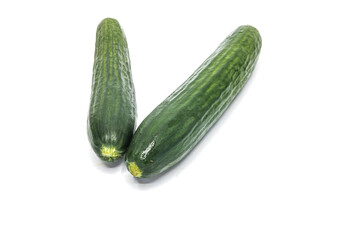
282	163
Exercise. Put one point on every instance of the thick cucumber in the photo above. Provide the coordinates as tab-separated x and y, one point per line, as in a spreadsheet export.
112	113
175	126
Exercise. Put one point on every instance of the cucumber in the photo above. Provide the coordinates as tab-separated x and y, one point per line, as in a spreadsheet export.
112	113
175	126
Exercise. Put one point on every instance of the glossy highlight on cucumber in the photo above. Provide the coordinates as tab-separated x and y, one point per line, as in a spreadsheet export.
175	126
112	113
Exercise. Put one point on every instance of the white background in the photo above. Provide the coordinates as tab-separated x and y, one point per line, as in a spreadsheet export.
282	163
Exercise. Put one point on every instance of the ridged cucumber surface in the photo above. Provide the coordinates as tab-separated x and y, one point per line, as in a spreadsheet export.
175	126
111	119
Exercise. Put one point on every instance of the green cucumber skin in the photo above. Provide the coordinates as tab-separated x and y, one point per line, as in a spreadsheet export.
112	113
175	126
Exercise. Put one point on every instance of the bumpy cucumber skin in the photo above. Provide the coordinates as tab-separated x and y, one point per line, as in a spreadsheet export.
112	113
175	126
